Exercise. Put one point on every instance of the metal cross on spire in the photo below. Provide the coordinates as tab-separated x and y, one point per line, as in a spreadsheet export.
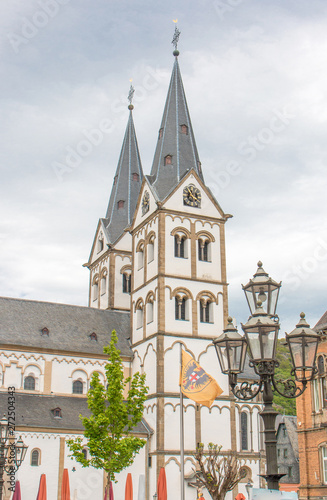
176	36
131	94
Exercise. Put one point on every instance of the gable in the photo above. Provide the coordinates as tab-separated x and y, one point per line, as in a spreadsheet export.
146	196
98	249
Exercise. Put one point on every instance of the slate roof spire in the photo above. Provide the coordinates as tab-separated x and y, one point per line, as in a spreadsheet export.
127	182
176	150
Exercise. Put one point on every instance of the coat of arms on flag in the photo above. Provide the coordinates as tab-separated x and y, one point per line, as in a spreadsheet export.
196	384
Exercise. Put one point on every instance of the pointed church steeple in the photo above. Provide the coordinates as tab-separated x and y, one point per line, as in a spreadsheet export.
127	182
176	150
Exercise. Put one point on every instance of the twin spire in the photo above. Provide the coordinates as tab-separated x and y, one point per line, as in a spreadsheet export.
176	153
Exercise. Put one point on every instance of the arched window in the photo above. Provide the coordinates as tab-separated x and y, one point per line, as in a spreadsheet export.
77	387
84	451
323	461
149	312
29	383
135	176
203	250
100	243
184	129
103	284
168	160
95	287
126	283
151	249
140	260
180	246
139	314
205	311
244	431
120	204
180	308
35	458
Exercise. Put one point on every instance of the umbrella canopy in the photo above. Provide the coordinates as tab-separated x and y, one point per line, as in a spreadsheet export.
240	496
17	495
65	490
111	493
141	495
129	487
162	485
42	494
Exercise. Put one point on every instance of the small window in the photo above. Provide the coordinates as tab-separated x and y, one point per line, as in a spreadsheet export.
180	308
84	451
244	431
168	160
184	129
115	179
35	458
323	451
321	365
205	307
149	312
139	317
179	246
290	471
278	452
45	331
77	387
29	383
151	250
140	257
100	244
93	336
126	283
120	204
95	291
135	177
285	452
160	133
284	430
57	413
103	284
203	247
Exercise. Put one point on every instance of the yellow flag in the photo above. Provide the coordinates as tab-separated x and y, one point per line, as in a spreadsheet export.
196	384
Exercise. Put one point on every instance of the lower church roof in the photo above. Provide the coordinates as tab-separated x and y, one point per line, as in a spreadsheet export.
37	411
59	327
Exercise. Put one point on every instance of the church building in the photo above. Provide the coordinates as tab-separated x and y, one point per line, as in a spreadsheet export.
158	277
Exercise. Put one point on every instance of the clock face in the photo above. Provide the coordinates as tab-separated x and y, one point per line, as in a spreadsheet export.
145	203
192	196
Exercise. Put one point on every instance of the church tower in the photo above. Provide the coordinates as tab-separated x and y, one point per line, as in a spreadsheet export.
160	252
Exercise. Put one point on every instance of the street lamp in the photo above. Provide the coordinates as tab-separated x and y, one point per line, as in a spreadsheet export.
248	488
261	334
12	453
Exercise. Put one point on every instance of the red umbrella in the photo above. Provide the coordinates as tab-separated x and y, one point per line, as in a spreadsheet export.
17	495
42	494
111	492
65	490
240	496
162	485
129	487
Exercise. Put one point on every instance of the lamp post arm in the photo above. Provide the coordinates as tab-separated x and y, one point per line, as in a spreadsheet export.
291	389
245	391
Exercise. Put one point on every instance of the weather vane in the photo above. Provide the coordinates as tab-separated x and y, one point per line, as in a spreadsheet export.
176	35
131	94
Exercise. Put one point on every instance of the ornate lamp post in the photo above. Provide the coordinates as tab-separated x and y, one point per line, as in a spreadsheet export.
261	334
12	453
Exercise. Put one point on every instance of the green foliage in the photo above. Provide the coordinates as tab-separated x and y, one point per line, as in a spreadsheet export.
108	429
283	405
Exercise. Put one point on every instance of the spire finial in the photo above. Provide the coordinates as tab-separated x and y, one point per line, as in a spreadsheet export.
130	96
175	38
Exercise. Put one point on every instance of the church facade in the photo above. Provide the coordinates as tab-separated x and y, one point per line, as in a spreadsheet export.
158	277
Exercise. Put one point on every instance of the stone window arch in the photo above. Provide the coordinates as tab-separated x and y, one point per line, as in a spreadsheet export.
103	281
183	299
150	249
140	254
205	241
206	301
35	457
32	374
78	386
126	273
139	310
95	287
244	430
100	242
149	307
181	237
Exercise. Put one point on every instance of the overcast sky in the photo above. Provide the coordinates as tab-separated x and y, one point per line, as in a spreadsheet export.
255	77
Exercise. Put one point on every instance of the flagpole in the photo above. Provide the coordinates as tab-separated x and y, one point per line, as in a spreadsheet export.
181	430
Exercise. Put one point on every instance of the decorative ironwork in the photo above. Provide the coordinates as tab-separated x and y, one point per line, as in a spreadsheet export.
131	94
264	367
176	37
290	389
245	390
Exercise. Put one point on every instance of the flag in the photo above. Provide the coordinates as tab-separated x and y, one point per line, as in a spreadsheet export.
196	384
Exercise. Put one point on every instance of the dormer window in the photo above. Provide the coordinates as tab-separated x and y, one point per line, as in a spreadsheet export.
57	413
160	133
100	242
184	129
115	179
93	336
120	204
135	177
45	331
168	159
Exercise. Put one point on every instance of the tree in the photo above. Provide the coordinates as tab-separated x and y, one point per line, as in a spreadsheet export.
112	447
219	473
283	371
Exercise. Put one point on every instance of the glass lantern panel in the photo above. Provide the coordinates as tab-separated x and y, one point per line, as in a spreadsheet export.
295	346
309	350
254	344
222	357
273	301
3	430
268	338
251	300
